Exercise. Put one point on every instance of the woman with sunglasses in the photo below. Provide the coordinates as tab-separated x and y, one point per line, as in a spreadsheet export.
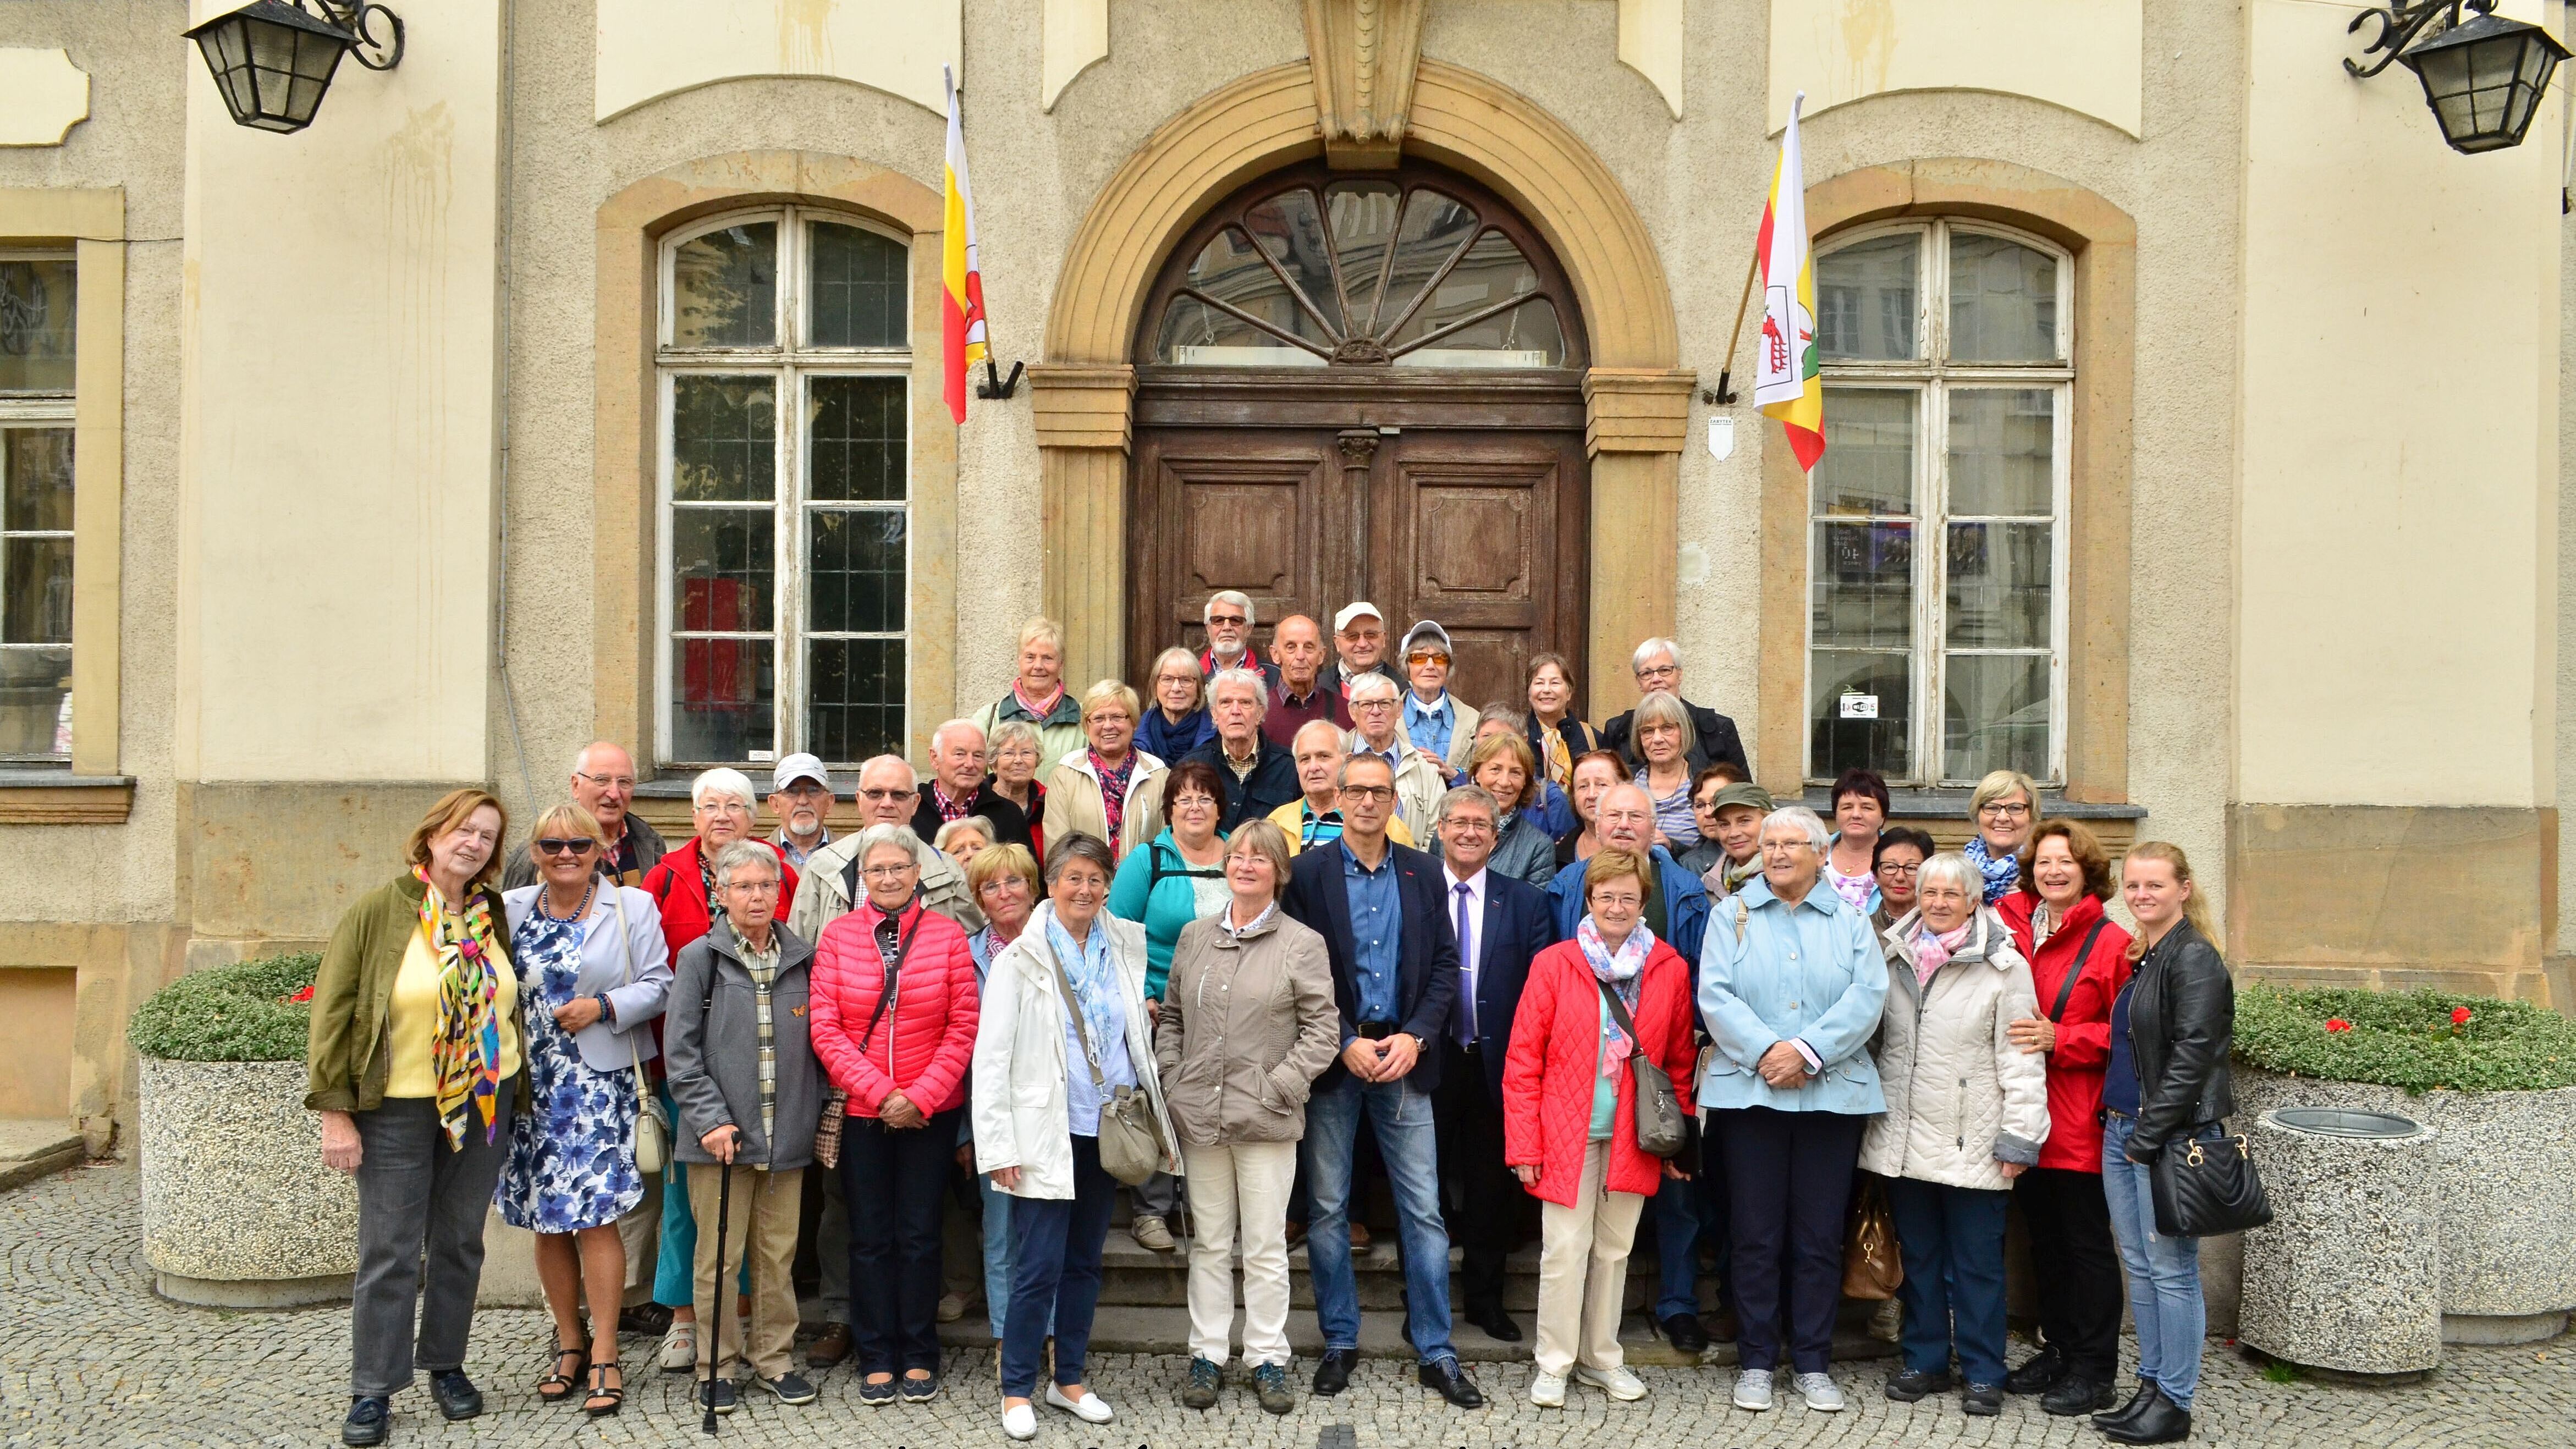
592	971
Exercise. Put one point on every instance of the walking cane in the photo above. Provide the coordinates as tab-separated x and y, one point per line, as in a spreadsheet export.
724	1215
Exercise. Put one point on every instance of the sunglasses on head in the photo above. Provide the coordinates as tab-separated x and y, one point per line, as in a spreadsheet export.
578	845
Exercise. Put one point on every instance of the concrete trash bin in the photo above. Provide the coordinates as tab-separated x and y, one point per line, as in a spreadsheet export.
2348	1276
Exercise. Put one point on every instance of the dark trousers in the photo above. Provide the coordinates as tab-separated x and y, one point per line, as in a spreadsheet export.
1789	1177
2079	1277
1686	1215
1056	1245
1479	1196
420	1239
894	1183
1952	1242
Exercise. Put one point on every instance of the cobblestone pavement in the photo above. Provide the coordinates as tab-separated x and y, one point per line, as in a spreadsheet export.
89	1356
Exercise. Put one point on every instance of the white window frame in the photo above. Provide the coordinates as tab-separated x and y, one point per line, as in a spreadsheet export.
52	410
1929	380
791	365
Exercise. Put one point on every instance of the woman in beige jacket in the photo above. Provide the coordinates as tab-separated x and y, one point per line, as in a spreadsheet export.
1108	789
1248	1023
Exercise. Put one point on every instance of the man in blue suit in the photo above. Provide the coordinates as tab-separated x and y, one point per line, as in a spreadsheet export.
1395	977
1501	924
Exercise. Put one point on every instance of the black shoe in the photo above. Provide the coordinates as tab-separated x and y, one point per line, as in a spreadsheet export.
919	1390
2076	1394
1270	1381
1334	1374
1453	1383
2160	1422
1205	1379
876	1395
1683	1331
1982	1400
2044	1371
790	1387
2136	1405
370	1415
1495	1322
1912	1387
456	1395
717	1394
650	1318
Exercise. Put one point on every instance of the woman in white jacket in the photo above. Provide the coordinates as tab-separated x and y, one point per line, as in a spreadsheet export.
1966	1113
1037	1112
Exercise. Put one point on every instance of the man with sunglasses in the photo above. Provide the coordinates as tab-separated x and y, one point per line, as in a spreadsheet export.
603	783
889	794
1229	621
1437	724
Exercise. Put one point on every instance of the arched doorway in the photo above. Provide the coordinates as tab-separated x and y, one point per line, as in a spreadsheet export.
1364	386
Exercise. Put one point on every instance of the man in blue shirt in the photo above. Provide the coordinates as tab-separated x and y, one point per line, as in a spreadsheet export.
1433	719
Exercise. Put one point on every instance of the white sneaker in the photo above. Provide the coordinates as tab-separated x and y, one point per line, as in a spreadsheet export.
680	1348
1020	1421
1753	1389
1821	1393
1547	1390
1090	1408
1620	1383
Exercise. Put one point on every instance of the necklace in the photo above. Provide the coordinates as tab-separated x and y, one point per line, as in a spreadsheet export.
545	903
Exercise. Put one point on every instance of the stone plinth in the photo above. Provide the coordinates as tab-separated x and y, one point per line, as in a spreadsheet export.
2348	1276
238	1210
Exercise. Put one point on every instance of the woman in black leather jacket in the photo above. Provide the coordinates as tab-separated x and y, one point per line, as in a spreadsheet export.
2166	1082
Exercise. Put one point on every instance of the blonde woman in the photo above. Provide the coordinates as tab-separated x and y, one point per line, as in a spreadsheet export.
1038	697
1109	789
2003	810
1176	710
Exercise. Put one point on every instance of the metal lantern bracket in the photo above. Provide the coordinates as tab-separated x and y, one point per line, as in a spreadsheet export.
2400	23
358	17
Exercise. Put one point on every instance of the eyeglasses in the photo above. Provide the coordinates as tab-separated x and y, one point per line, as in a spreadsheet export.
1660	671
891	872
725	807
1369	792
578	845
1227	621
884	795
756	887
1468	825
1427	656
607	782
1180	800
2005	811
1359	704
1602	899
1889	867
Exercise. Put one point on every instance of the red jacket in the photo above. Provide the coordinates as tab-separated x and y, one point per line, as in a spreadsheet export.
1555	1058
679	887
925	1041
2083	1032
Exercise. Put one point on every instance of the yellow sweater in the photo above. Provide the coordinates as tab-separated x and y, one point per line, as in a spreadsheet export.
411	1022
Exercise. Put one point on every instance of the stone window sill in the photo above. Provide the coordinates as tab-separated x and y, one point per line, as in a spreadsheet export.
59	797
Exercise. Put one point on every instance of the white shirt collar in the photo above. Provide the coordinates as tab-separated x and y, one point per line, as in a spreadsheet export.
1475	884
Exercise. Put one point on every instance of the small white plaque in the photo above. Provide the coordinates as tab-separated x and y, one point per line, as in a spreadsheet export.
1860	706
1721	437
765	756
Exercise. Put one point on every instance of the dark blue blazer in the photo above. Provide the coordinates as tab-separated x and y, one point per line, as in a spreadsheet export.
1426	976
1516	926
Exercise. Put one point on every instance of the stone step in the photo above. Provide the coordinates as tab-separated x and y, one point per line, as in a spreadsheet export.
1132	1276
34	1147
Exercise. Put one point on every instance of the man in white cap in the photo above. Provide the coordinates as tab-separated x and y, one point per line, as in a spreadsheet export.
800	795
1437	724
1359	639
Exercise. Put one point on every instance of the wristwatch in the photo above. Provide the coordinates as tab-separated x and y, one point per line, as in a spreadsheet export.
1421	1046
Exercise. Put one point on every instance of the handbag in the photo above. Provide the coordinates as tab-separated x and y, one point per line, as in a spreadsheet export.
1658	1107
2207	1185
836	1102
1871	1267
652	1127
1131	1142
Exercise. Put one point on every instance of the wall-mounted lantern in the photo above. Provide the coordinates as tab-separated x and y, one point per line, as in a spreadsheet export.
272	60
2482	76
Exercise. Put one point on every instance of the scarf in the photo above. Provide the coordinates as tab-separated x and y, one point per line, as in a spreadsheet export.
1737	875
1617	970
1554	761
1094	978
1113	795
1036	712
1932	950
466	1052
2000	874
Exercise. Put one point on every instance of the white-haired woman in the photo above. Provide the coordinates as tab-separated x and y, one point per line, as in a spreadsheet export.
1967	1110
2003	810
1015	752
1176	710
1792	987
1109	790
1038	698
1662	740
964	838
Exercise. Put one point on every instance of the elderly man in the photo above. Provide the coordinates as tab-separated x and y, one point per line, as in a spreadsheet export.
1359	641
1658	663
1301	691
603	783
1229	621
1258	775
959	788
1315	816
1419	777
800	796
1441	726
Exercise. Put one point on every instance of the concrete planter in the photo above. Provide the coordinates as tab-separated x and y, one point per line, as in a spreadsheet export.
2506	1166
2348	1276
238	1210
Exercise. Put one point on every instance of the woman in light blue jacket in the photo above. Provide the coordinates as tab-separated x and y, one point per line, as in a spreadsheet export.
1791	986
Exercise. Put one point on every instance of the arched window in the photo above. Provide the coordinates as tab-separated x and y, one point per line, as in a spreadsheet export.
785	373
1937	517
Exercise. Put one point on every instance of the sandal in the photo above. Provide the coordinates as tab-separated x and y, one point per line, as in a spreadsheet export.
605	1399
556	1387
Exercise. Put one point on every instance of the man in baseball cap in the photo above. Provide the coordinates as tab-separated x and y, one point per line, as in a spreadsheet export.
1359	638
800	795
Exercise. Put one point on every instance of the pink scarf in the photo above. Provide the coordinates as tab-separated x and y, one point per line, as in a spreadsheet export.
1932	952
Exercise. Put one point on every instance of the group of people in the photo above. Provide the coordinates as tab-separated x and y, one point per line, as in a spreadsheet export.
1594	969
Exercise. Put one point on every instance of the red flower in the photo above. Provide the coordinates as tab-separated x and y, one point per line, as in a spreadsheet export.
303	996
2338	1024
2459	1016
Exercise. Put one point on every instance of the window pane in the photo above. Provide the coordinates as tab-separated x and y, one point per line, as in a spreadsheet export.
1362	214
1291	229
1526	336
1995	715
856	689
722	701
1230	271
721	560
726	286
724	439
855	438
1862	596
1868	467
1846	687
37	477
1198	335
1865	300
857	570
2003	301
36	316
2001	447
1434	227
857	287
36	591
35	704
1998	590
1492	271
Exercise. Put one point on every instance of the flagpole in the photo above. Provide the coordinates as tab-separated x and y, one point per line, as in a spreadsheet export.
1726	370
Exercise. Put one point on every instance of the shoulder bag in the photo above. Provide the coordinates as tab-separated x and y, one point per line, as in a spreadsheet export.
1658	1107
836	1102
2205	1185
652	1127
1131	1144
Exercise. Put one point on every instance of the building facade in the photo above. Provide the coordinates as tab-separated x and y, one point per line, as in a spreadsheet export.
2193	412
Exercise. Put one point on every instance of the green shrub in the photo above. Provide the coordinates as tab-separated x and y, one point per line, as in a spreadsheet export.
2406	1039
237	1013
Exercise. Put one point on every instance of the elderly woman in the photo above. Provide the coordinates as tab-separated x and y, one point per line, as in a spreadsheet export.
2003	810
1235	1068
2166	1081
594	973
1109	790
1791	986
413	1062
894	1027
964	838
1966	1113
1731	815
1503	766
1662	744
1176	718
1859	804
1594	774
1014	747
1897	863
1038	698
2078	963
1043	1075
1557	737
1005	882
1570	1115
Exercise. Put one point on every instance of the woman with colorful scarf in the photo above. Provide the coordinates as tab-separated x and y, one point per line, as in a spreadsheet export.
414	1065
2003	810
1569	1115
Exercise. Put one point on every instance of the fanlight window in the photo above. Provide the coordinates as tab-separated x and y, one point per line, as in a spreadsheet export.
1362	273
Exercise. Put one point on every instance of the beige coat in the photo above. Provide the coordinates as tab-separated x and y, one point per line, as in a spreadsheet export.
1961	1098
1248	1023
1074	803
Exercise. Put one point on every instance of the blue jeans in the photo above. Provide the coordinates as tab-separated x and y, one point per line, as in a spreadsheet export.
2164	1273
1685	1214
1407	1140
1057	1243
1952	1242
997	1254
675	1264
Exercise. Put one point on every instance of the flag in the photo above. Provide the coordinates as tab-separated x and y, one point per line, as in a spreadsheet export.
1786	383
961	297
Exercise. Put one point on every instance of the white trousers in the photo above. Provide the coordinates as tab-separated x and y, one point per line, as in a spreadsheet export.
1241	1190
1583	1270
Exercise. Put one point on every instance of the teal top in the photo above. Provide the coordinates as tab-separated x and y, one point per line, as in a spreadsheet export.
1605	1087
1158	887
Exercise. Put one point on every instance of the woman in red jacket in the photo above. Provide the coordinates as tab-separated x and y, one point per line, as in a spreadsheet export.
894	1025
2078	961
1569	1115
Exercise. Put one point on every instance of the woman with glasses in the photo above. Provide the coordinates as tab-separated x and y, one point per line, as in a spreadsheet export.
1109	789
1896	863
1177	720
1005	882
2003	810
1663	739
1014	746
592	972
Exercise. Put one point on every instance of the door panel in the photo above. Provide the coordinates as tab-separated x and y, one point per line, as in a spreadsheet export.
1219	509
1477	522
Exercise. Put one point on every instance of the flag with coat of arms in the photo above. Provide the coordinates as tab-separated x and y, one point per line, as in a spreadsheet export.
1786	382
